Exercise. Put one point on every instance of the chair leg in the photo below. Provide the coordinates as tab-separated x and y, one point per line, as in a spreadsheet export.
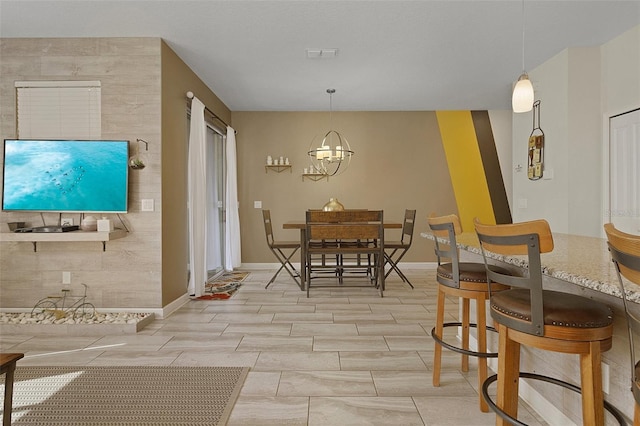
636	415
394	267
285	263
508	375
481	321
437	350
465	333
591	385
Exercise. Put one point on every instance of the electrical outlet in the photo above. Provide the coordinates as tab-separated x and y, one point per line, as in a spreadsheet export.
66	277
147	205
257	204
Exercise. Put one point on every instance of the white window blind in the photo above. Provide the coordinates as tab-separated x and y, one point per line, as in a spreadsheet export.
59	109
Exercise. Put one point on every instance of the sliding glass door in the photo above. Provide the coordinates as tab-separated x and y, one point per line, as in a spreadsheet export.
215	202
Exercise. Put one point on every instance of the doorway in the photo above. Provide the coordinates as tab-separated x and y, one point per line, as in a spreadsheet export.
216	172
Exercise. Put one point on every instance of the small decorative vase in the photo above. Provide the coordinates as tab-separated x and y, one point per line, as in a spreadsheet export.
333	206
89	223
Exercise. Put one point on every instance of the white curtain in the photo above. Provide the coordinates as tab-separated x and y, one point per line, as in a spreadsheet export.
232	228
197	181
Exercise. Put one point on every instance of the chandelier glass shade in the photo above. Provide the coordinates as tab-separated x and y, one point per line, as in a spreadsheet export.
330	153
522	99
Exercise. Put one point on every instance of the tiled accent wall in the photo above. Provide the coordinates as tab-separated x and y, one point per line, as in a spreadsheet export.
128	273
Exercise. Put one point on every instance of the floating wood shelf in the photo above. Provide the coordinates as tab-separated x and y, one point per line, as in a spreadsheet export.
278	168
314	176
36	237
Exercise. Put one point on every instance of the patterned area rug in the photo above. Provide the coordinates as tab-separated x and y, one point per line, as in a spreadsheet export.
108	396
224	286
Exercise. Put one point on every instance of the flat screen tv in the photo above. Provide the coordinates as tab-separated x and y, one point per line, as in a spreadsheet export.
65	175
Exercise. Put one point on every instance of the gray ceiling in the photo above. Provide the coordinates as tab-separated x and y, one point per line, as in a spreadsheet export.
393	54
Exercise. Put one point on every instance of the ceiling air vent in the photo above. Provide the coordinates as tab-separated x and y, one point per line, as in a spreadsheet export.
321	53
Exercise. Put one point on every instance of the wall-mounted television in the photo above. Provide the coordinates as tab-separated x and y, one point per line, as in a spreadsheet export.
65	175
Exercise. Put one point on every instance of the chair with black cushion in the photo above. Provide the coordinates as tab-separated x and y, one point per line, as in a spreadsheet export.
466	281
351	233
278	249
625	253
394	250
528	315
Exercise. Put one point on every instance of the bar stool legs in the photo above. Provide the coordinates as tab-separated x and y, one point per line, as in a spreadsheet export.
481	354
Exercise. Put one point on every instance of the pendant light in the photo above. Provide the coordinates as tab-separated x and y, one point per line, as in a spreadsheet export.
522	98
330	153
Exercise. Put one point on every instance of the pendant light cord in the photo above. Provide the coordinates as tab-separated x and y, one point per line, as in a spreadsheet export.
523	68
331	92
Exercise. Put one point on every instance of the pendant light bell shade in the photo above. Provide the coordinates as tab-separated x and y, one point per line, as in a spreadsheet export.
522	99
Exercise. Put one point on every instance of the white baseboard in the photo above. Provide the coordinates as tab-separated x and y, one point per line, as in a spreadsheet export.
173	306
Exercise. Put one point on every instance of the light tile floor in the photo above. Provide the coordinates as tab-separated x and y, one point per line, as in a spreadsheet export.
341	357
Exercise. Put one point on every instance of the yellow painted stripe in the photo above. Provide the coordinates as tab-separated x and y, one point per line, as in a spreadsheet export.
465	168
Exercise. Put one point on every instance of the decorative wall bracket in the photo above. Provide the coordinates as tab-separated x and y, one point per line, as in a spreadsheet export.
535	162
314	176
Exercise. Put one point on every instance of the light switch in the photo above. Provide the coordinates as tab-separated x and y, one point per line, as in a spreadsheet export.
257	204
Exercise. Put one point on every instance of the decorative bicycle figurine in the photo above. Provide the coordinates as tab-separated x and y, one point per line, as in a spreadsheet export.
57	305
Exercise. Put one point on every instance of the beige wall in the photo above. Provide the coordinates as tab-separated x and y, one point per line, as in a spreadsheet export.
399	164
579	89
177	80
143	96
128	273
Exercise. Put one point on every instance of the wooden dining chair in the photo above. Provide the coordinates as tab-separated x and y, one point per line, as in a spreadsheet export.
396	249
351	233
625	253
528	315
278	248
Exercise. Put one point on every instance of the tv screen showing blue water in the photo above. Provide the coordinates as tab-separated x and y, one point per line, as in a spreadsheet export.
65	176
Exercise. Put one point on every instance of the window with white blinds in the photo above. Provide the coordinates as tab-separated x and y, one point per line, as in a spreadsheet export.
59	109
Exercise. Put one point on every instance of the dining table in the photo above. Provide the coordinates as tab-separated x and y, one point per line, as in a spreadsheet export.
301	225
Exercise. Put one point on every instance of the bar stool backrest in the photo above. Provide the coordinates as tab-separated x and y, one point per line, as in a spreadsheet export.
625	253
447	227
525	238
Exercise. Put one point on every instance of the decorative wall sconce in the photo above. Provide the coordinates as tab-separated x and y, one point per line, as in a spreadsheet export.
137	160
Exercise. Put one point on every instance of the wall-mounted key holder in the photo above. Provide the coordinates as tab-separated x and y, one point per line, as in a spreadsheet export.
535	162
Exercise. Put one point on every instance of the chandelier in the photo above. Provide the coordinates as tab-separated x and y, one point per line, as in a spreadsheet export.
330	154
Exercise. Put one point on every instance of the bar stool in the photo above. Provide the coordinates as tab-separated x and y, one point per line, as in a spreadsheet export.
625	253
467	281
549	320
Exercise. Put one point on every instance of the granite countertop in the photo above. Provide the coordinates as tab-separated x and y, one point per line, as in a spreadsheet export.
584	261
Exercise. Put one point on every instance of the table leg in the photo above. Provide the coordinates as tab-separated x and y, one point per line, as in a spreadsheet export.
8	395
303	256
8	366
